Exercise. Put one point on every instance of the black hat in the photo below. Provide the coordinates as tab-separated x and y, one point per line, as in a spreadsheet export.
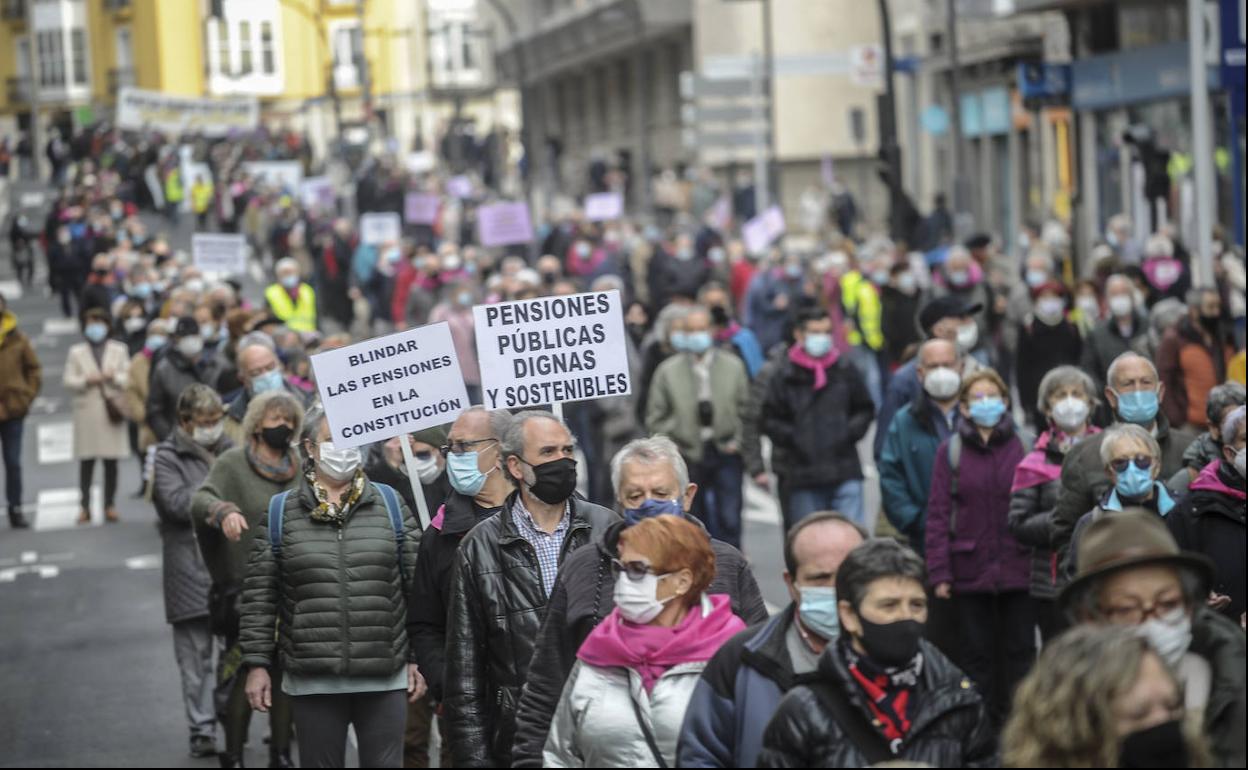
185	327
979	241
947	306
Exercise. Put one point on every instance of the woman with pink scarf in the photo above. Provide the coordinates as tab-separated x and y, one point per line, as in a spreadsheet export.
625	700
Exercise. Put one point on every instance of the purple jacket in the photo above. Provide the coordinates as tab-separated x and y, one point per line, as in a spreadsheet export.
981	556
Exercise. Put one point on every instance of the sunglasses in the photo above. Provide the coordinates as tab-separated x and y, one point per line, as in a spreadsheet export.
636	570
1143	462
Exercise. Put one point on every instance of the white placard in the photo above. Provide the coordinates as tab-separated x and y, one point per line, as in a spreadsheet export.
866	66
317	191
387	386
420	162
602	207
552	350
380	227
139	110
286	174
219	253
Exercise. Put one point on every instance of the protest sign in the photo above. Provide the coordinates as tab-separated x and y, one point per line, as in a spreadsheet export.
377	228
601	207
720	215
286	174
420	162
502	224
459	187
421	208
551	350
762	230
139	110
219	253
317	191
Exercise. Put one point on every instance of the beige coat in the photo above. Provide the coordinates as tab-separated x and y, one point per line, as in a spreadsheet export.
138	383
94	435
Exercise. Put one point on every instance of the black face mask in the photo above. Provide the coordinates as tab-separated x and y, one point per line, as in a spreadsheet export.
719	315
1158	746
277	437
556	480
1210	322
891	644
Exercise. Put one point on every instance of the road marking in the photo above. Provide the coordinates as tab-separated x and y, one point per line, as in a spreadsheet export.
58	509
11	290
44	571
56	443
45	404
60	326
146	561
29	557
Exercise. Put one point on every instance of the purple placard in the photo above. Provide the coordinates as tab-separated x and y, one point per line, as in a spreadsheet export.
503	224
603	207
421	208
459	187
754	233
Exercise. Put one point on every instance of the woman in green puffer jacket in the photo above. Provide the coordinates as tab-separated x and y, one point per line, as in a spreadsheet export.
337	587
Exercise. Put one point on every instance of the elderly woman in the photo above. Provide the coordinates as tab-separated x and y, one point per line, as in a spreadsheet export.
1132	459
1067	399
1133	574
180	465
229	509
625	700
95	373
1207	447
1101	697
335	562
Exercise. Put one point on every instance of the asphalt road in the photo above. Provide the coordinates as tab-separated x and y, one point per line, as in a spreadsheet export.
87	672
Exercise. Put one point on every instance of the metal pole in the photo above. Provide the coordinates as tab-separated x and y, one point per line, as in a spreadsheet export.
36	134
1202	141
888	120
409	461
961	189
761	143
522	76
769	94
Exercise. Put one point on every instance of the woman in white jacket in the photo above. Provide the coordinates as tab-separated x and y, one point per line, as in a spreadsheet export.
625	700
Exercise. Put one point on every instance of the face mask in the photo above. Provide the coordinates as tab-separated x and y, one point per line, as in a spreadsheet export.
195	285
942	383
818	611
156	341
968	336
96	332
338	464
208	331
464	299
1036	278
277	437
817	345
1170	636
679	341
451	263
427	469
1162	745
268	381
191	347
716	255
959	277
1239	463
651	508
1121	305
986	412
1089	307
879	277
583	250
637	600
793	271
208	436
684	255
134	324
466	478
289	281
393	256
1211	323
891	644
143	290
697	342
1139	407
1134	482
907	283
1070	413
555	481
1050	310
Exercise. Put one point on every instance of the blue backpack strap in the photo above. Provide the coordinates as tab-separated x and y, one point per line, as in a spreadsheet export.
395	511
277	509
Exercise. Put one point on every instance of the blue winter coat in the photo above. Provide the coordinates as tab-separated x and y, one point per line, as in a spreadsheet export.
905	465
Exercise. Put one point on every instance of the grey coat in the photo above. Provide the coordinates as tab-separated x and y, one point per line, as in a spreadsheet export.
179	467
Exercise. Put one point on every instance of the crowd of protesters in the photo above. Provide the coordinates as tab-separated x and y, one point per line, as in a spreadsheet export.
1059	459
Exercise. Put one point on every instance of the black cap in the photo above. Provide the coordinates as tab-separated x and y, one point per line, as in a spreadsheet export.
979	241
185	327
947	306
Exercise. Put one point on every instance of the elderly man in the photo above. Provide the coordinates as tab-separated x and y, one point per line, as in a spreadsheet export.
1125	329
1134	392
505	571
184	363
650	478
260	371
290	299
743	684
1132	573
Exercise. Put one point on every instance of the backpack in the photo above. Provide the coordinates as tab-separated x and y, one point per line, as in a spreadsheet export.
277	510
955	458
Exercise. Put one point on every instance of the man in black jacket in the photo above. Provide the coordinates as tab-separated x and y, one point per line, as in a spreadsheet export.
650	479
505	571
185	363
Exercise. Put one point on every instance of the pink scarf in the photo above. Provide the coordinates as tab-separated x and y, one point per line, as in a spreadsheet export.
652	650
1208	479
799	356
1035	469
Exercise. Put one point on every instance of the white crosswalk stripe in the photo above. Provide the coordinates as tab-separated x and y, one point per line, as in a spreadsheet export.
58	509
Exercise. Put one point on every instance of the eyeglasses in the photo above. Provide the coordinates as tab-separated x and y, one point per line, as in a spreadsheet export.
459	447
1143	462
1137	613
636	570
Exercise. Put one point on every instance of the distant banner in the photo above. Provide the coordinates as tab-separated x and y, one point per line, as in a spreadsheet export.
287	174
139	110
421	208
603	207
504	224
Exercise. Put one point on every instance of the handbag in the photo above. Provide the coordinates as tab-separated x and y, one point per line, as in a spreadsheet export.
116	410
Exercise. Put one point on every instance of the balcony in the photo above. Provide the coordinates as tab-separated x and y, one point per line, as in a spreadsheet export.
13	10
119	78
17	90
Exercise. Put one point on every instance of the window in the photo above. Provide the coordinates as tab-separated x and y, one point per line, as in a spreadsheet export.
267	59
51	50
223	47
347	46
244	48
78	49
466	43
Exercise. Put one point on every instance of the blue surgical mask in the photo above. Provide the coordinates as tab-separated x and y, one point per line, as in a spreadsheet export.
986	412
793	271
651	508
266	382
1139	407
466	477
818	345
290	281
96	332
156	341
142	290
1134	482
698	342
679	341
818	611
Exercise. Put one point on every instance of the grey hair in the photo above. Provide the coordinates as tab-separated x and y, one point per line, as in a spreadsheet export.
873	560
511	442
1232	425
1222	397
196	399
1117	278
1166	314
668	316
650	451
1061	377
267	403
256	340
1111	374
1128	431
500	420
312	423
286	262
607	283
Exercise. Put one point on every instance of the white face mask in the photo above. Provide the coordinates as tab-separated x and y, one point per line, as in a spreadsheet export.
942	383
1090	308
1070	413
427	470
1121	305
1050	309
208	436
638	600
134	324
907	283
968	335
1170	637
191	346
338	464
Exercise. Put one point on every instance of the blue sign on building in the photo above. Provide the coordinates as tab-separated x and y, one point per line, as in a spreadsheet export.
1232	55
986	112
1044	82
1131	77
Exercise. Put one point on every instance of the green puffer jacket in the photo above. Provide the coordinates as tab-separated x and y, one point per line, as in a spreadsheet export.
338	591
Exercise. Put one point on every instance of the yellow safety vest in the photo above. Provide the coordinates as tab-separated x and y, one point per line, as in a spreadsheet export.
299	315
173	187
201	197
861	302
